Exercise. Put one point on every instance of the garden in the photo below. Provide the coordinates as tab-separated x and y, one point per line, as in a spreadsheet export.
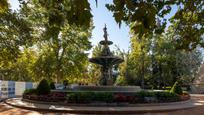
52	42
43	93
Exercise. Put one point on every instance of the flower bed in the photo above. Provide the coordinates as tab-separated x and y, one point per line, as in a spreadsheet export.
108	97
51	97
104	95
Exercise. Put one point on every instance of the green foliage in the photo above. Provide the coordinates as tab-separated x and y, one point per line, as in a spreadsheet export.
59	33
94	71
21	69
30	91
75	12
108	97
155	59
43	87
121	81
103	97
160	96
62	32
52	85
167	96
80	97
177	88
188	24
142	94
4	6
15	32
87	97
140	15
147	17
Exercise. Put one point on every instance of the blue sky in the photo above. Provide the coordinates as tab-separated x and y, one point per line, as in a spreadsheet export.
101	16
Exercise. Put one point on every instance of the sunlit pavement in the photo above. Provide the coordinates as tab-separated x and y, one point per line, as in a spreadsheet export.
199	110
8	110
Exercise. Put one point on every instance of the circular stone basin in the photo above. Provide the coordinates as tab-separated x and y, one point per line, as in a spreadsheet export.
103	42
111	60
101	88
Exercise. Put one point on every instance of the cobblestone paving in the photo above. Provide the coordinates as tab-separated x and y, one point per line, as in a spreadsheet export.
199	110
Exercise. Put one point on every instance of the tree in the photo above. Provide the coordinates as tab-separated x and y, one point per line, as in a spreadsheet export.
145	17
15	33
94	69
188	22
58	30
21	70
155	59
62	31
169	62
4	5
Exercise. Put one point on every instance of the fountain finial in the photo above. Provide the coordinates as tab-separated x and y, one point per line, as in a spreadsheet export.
105	42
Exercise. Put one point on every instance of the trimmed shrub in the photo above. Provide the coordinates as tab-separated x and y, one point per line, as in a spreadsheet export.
109	97
29	91
43	87
80	97
52	85
103	96
167	96
87	97
176	88
145	94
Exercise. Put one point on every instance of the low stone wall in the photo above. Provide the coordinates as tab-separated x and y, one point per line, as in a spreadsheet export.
105	88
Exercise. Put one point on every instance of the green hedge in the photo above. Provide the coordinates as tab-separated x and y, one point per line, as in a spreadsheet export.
30	91
160	96
108	97
43	87
87	97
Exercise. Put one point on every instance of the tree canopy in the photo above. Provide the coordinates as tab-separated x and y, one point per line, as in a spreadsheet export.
148	16
49	38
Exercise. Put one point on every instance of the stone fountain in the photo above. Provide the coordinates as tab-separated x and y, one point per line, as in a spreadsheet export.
107	60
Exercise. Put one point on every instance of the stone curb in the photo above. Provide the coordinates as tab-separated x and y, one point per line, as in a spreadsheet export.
108	104
98	110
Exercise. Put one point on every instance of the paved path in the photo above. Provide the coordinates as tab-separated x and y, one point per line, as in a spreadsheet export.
141	108
199	110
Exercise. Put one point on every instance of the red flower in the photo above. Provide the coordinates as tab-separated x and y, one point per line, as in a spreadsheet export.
120	97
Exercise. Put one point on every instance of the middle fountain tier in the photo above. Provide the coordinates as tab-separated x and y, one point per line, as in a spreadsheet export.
107	60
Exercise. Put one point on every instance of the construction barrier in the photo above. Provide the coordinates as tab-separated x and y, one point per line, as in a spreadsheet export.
13	88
